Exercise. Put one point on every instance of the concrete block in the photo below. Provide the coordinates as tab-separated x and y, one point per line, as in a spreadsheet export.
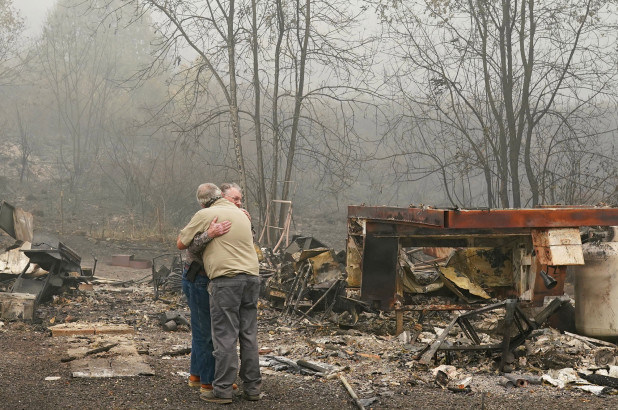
170	326
17	306
123	361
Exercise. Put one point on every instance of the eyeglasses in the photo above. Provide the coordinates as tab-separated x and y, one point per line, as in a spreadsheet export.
234	198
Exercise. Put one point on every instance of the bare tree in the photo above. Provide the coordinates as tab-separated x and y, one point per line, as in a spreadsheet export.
210	30
322	66
495	82
257	113
299	61
86	55
11	27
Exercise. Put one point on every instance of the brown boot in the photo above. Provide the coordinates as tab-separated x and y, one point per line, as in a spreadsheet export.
208	387
194	381
210	397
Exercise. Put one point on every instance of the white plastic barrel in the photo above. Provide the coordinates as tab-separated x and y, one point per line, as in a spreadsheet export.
596	291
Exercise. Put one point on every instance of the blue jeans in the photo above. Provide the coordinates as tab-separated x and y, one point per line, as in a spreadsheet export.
202	360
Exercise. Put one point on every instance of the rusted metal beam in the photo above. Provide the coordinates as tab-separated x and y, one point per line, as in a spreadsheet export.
559	217
398	322
421	216
532	218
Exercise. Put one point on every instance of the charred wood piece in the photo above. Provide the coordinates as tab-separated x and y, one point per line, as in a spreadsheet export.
600	380
179	352
351	392
101	349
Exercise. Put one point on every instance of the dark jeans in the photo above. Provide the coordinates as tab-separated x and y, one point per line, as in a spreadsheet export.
202	359
233	308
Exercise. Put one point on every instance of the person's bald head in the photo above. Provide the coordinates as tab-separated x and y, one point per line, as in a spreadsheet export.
232	193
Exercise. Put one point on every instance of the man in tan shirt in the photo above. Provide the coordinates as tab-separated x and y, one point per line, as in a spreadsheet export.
231	264
195	286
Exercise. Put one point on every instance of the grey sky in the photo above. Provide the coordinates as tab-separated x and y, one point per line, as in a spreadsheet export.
33	12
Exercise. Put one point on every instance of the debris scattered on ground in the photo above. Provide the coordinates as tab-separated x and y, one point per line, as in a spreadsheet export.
130	261
379	366
106	356
170	320
312	327
167	273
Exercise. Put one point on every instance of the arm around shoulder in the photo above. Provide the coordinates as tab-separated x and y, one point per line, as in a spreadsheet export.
179	244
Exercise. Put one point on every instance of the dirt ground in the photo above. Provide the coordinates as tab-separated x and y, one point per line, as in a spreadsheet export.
29	354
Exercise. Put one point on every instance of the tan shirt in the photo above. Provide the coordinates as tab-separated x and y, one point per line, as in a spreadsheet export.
231	253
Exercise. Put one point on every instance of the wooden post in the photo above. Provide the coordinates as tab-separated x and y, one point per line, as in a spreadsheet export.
398	322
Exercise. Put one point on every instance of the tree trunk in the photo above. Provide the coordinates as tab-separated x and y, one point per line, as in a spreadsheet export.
233	101
503	144
272	234
298	100
261	194
526	119
514	145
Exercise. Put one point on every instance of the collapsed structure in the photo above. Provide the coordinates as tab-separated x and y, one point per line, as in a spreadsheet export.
517	256
42	265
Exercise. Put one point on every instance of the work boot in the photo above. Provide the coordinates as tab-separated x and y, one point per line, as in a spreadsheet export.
208	387
251	397
194	381
209	396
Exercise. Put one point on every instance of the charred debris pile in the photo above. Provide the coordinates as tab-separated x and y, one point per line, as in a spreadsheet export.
452	325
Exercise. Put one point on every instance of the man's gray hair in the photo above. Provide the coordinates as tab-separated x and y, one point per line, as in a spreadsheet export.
226	186
207	192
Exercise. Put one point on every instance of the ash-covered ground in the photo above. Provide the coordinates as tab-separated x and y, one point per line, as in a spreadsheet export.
382	369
